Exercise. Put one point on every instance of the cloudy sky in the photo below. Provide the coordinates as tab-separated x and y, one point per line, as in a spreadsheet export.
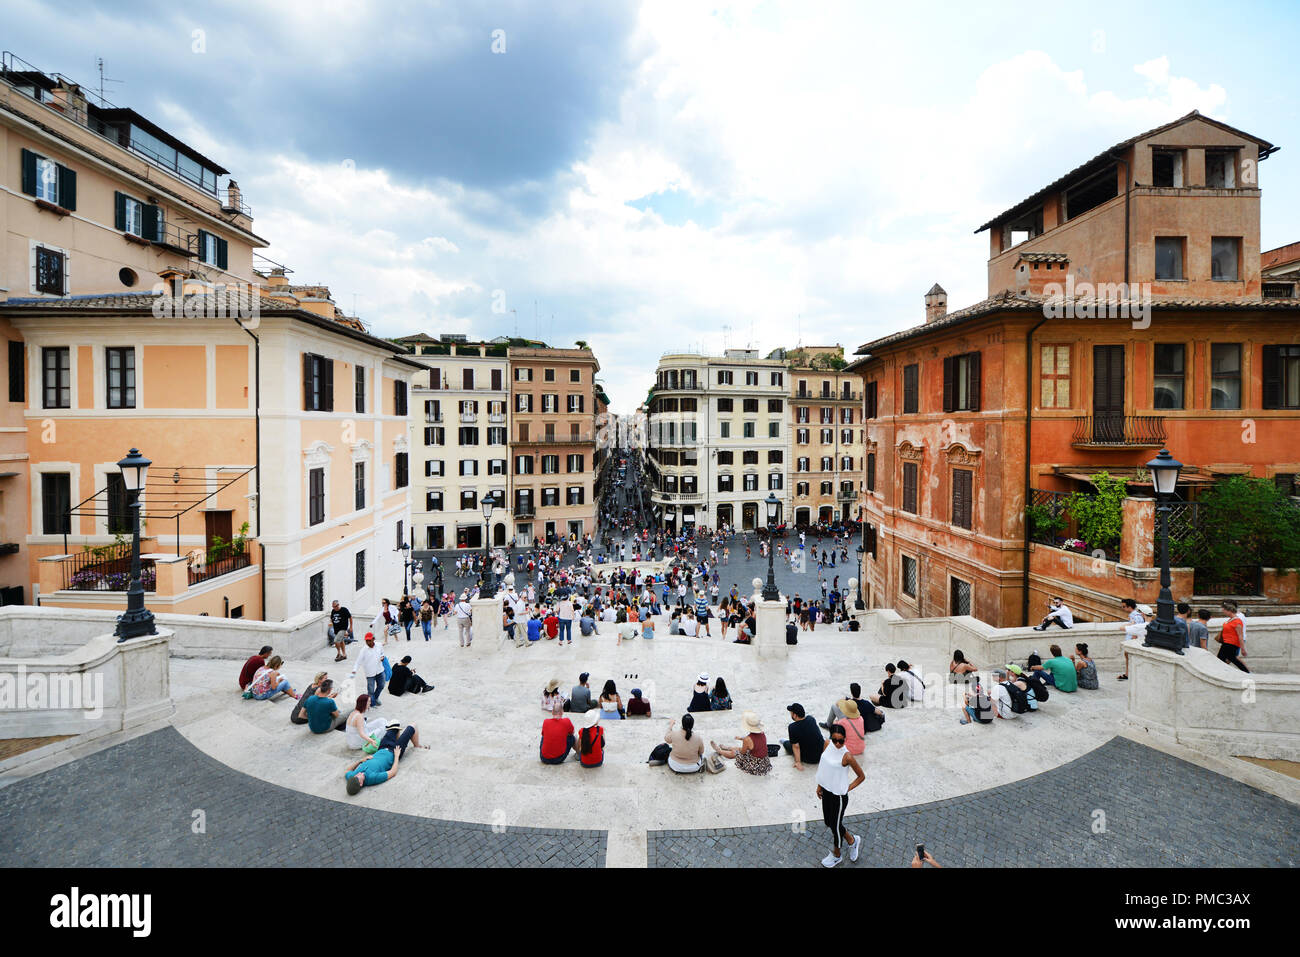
664	176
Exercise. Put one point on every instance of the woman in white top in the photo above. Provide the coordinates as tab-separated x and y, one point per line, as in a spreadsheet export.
834	771
361	732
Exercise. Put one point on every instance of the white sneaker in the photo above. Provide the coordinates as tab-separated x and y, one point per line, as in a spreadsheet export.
857	846
830	860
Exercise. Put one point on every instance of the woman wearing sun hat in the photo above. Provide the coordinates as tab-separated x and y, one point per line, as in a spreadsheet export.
700	694
751	757
853	725
551	696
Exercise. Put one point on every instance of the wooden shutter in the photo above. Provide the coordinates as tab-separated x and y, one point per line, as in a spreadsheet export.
872	399
29	172
909	487
67	186
1272	378
222	253
306	382
961	498
119	212
911	386
871	471
17	372
327	385
949	384
973	383
150	223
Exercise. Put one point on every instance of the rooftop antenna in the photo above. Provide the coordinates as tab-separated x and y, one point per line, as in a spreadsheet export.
99	63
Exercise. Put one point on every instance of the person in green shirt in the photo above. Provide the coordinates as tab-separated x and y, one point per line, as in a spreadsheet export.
1064	676
323	713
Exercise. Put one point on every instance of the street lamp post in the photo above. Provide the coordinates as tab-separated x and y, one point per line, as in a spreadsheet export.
862	570
405	549
770	591
136	621
489	589
1162	632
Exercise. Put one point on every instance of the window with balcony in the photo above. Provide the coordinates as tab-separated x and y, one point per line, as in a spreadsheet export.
1225	258
1168	369
1169	257
1225	375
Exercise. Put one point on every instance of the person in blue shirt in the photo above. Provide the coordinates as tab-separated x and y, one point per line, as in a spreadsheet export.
702	613
378	768
534	628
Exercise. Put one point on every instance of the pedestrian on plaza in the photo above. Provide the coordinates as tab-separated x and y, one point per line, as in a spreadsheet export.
1232	637
427	611
340	629
406	615
371	664
834	769
464	620
321	710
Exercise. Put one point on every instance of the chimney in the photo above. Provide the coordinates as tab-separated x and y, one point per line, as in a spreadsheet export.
233	197
936	304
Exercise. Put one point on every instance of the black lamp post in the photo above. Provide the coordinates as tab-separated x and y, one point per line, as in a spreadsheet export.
137	620
1162	632
489	589
770	591
405	549
862	553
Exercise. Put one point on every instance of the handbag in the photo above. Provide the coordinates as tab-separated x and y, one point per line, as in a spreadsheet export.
388	669
713	764
773	750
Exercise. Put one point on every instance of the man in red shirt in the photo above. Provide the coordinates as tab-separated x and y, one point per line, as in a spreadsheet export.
557	737
251	666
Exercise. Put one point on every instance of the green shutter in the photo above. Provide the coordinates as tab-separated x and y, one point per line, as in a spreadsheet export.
1272	378
67	187
119	211
327	385
150	222
29	172
221	254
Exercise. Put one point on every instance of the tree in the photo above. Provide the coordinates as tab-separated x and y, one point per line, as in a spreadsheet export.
1100	514
1245	522
828	362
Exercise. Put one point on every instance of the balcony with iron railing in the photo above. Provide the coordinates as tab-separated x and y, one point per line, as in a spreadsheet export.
579	439
1117	431
433	418
217	561
496	417
469	418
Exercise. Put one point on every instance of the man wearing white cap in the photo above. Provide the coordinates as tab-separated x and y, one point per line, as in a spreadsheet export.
463	615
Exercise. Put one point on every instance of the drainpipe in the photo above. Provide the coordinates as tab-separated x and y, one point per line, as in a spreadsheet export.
1029	443
1128	192
257	456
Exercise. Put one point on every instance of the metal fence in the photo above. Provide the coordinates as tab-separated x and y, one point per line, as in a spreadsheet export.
217	562
106	569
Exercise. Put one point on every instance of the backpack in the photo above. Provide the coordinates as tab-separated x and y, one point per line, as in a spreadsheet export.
660	754
984	708
1020	700
1038	685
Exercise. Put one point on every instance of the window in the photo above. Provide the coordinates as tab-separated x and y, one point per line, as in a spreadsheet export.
400	540
774	480
574	495
726	458
315	496
56	502
873	400
574	463
909	487
1169	257
316	592
871	471
778	378
213	250
317	383
909	576
1054	377
959	602
1282	377
399	398
726	483
1168	370
825	488
496	467
1166	167
51	273
846	416
550	464
550	496
400	471
749	457
119	514
751	482
359	387
1225	257
56	377
47	180
750	405
846	436
1221	169
548	375
775	405
1225	375
962	482
801	489
803	465
523	465
827	415
575	403
468	500
523	402
550	402
747	430
468	435
775	456
360	571
434	537
434	467
961	382
467	378
801	436
827	436
751	378
725	378
435	378
120	377
1287	483
469	407
726	405
575	375
433	410
132	215
435	435
359	483
911	388
846	463
433	501
523	375
17	372
468	466
774	430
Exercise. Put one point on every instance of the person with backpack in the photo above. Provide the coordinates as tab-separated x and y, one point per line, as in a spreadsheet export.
1017	693
591	742
978	706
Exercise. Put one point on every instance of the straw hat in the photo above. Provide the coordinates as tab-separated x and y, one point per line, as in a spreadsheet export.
849	708
702	678
552	685
749	723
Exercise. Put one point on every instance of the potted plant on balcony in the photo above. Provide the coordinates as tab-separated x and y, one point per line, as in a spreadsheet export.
1100	514
1045	523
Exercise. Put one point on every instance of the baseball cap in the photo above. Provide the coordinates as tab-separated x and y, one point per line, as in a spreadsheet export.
1014	669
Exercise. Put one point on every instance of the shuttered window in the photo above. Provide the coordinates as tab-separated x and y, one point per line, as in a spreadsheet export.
909	487
962	484
47	180
17	372
399	398
1281	377
872	399
317	383
871	471
315	496
911	389
360	387
961	383
400	471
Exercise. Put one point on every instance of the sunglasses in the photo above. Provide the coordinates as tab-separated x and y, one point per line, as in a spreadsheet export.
837	740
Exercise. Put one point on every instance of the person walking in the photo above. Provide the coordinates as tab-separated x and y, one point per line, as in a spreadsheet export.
370	662
834	770
340	629
464	618
426	618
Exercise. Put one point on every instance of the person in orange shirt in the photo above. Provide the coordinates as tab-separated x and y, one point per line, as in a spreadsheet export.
1232	638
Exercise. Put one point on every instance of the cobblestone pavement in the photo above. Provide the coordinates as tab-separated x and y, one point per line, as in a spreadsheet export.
1157	811
134	804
